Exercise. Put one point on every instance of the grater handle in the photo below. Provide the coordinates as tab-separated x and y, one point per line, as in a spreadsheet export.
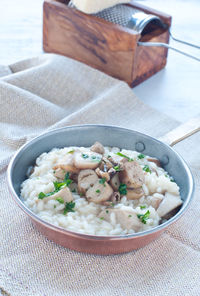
182	41
160	44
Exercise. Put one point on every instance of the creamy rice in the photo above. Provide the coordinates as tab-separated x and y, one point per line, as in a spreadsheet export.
85	218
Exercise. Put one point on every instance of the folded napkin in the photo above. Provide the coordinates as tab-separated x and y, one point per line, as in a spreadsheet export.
53	91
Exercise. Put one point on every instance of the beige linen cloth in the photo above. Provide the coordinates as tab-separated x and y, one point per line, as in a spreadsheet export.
53	91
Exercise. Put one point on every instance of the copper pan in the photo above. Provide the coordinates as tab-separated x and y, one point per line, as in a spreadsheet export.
85	135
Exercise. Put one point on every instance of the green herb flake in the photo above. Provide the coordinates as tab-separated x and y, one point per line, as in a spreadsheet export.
144	217
69	207
129	216
41	195
81	194
141	156
142	207
57	187
107	211
54	206
93	157
98	191
85	156
101	218
117	168
146	169
60	200
74	190
172	179
125	156
122	189
102	181
109	156
54	171
71	151
112	204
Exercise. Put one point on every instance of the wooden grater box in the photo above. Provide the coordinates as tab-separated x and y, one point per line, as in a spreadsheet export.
103	45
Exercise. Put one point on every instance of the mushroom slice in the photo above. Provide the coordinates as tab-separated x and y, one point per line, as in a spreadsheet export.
132	174
102	174
155	200
155	160
98	148
169	203
114	182
100	192
134	193
63	193
67	164
126	218
86	179
87	160
59	174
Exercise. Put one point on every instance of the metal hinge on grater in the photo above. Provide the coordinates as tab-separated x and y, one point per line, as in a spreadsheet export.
129	17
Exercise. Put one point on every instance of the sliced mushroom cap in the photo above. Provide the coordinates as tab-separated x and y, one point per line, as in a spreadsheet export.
155	200
102	174
63	193
98	148
114	182
126	218
169	203
67	164
134	193
87	160
132	174
99	192
86	179
59	174
155	160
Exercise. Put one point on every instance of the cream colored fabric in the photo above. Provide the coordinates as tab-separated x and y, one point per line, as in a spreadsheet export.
52	91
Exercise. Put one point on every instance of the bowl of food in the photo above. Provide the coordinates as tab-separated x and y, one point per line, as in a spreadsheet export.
100	189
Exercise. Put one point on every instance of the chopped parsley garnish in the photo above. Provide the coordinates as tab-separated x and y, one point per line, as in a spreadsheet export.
54	206
142	207
101	218
60	200
125	156
81	194
102	181
109	156
71	151
93	157
98	191
107	211
69	207
117	168
112	204
122	189
85	156
146	169
144	217
57	187
141	156
74	190
129	216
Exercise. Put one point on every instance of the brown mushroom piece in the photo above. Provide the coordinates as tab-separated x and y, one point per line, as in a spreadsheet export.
60	174
134	193
86	179
63	193
155	160
87	160
155	201
98	148
67	164
114	182
100	192
102	174
132	174
169	203
126	218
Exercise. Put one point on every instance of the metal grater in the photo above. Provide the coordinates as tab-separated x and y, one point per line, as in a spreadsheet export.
129	17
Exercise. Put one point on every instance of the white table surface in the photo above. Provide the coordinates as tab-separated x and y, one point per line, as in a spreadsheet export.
174	90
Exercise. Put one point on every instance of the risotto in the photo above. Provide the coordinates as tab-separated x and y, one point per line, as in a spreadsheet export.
100	190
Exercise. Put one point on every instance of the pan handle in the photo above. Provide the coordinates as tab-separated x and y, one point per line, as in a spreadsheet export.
160	44
182	132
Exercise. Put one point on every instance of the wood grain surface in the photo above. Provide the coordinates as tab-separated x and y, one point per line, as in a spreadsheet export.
105	46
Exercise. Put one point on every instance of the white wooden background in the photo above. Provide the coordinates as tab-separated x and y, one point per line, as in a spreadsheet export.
174	90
